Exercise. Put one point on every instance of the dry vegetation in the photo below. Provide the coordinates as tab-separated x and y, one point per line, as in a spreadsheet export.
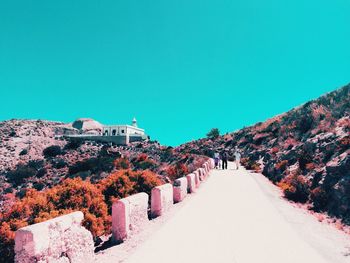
305	151
55	176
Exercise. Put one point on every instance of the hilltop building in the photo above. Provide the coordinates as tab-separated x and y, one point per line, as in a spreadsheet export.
115	130
116	134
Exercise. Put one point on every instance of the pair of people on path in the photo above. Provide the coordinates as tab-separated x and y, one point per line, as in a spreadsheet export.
224	158
220	156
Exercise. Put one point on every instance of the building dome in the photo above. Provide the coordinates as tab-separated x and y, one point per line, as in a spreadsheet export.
87	124
134	122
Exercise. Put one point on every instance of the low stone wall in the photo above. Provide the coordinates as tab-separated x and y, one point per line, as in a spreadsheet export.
180	189
161	199
212	163
129	214
61	239
64	240
191	183
201	174
196	178
205	169
205	173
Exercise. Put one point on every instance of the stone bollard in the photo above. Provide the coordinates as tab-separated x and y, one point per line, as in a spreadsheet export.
212	163
180	189
196	178
191	183
199	174
128	214
205	168
202	174
205	171
161	199
61	239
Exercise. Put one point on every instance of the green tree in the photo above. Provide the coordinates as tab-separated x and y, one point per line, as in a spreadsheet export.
214	133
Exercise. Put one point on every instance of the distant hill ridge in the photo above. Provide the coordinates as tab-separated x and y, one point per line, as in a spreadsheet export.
305	151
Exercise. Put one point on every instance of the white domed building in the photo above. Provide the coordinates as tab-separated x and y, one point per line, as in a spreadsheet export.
116	134
132	131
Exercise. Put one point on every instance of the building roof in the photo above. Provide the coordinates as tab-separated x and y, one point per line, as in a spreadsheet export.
125	125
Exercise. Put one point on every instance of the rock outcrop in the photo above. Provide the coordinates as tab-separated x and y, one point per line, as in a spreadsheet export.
86	125
59	240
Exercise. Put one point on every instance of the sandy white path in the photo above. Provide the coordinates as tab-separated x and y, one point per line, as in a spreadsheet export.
236	216
231	219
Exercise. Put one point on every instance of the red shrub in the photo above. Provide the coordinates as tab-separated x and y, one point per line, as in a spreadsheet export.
143	162
176	171
295	188
29	207
7	201
144	181
244	161
127	182
7	243
196	162
142	157
122	163
71	195
255	167
319	198
282	165
116	186
76	194
250	164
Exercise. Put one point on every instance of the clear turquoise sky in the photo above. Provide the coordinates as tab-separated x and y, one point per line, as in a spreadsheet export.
180	67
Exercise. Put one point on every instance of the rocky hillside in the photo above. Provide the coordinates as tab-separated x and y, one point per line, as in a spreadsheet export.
305	151
22	140
44	175
34	154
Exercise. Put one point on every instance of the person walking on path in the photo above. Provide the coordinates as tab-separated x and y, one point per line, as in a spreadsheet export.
216	159
237	158
224	158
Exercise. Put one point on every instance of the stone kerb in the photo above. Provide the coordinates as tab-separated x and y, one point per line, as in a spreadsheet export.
196	178
128	214
209	165
201	174
205	167
180	189
212	163
191	183
205	170
61	239
161	199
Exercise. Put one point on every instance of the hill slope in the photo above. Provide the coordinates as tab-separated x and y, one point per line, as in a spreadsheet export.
34	154
305	151
44	175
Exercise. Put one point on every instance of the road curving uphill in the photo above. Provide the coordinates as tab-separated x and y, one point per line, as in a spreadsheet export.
229	220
